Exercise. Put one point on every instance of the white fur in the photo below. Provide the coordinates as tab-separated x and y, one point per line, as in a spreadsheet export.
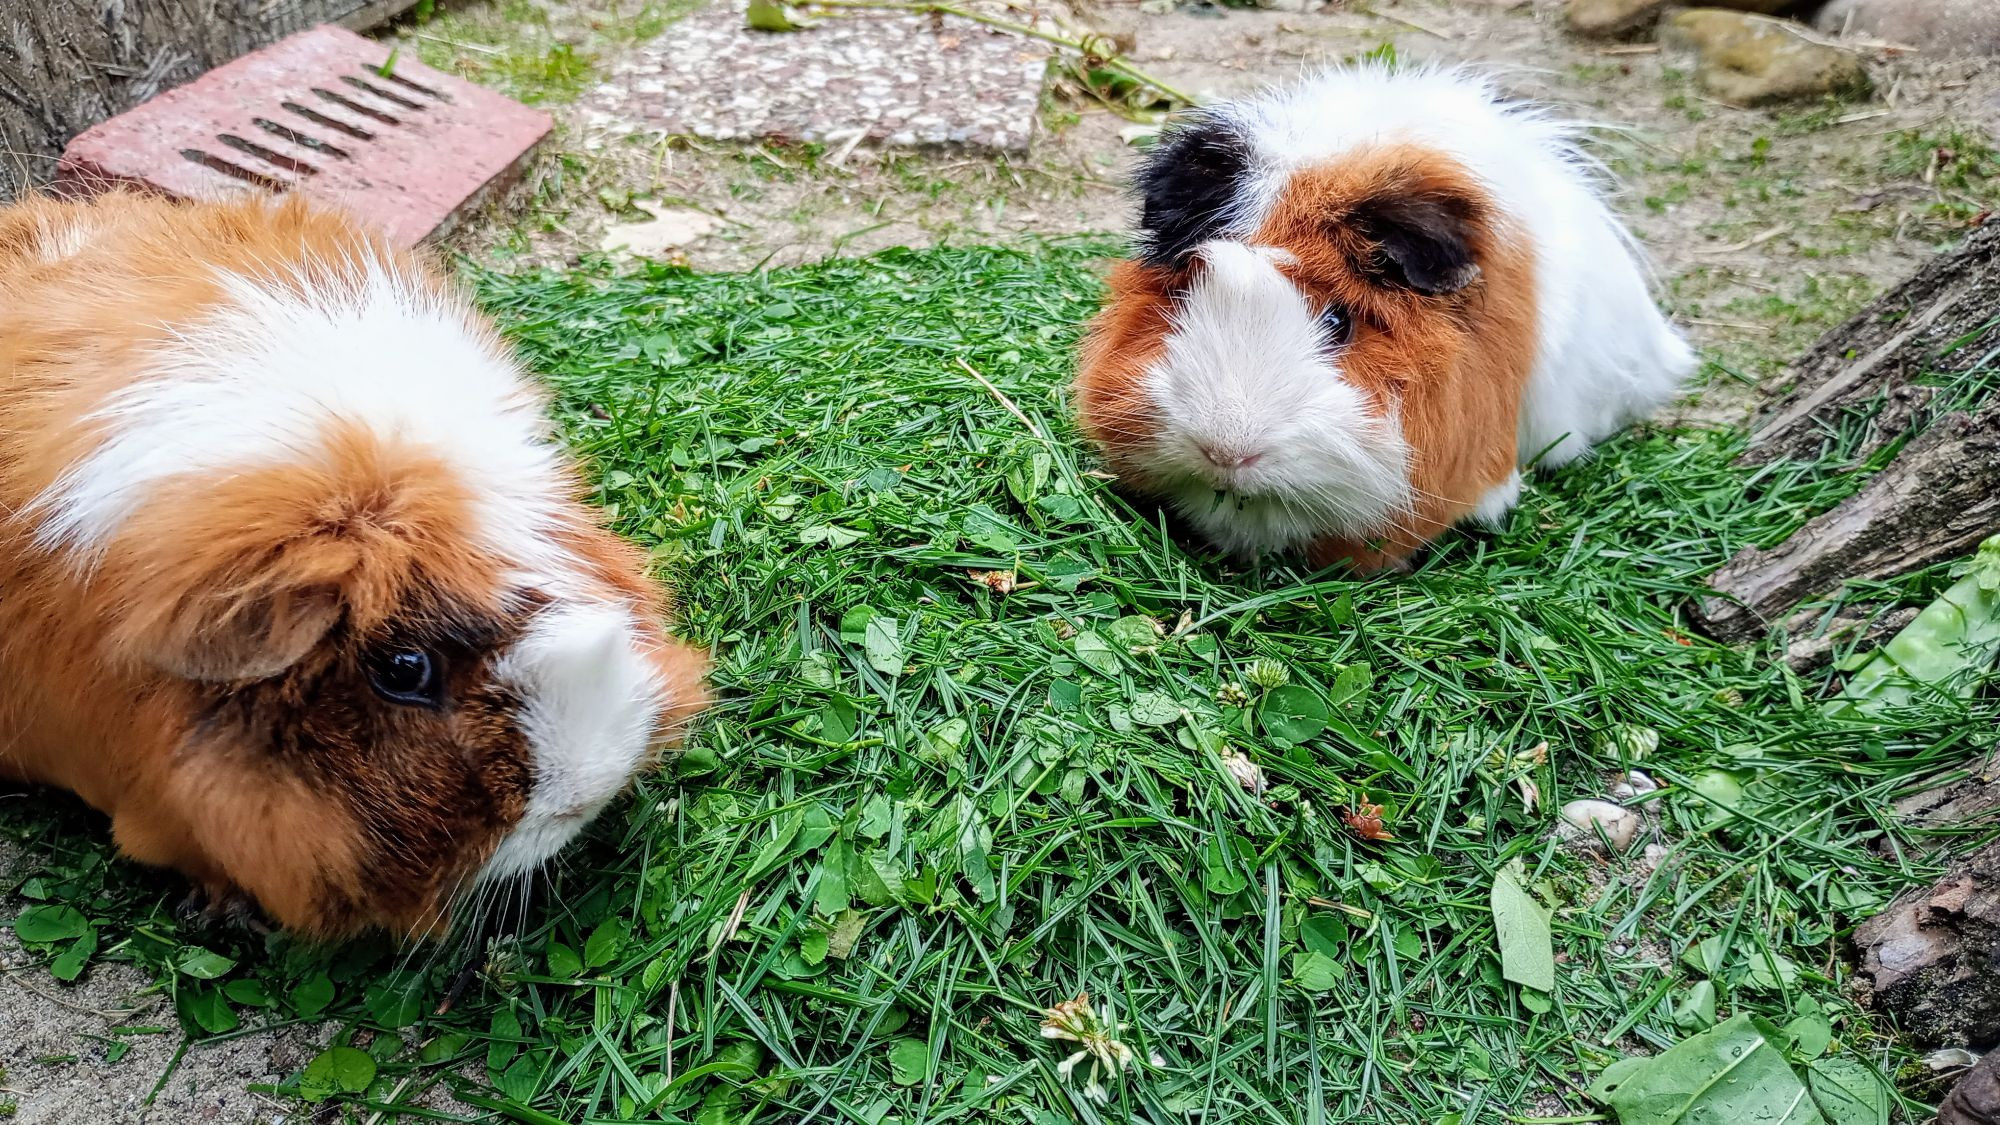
62	242
1493	507
589	709
1247	373
1605	354
260	380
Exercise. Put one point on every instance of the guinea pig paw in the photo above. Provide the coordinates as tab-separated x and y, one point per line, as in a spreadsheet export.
209	909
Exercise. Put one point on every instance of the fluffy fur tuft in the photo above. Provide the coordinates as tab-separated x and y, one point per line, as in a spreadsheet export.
253	457
1360	307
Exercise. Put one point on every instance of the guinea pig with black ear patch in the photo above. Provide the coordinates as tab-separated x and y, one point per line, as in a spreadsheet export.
296	584
1359	308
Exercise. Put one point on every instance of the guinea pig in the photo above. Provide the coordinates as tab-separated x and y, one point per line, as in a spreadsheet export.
296	584
1359	307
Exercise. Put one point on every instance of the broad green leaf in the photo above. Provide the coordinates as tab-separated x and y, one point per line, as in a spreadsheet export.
204	1008
443	1048
877	817
1848	1091
882	641
311	996
505	1029
1811	1034
1134	633
909	1061
69	965
1317	972
1067	509
815	828
813	947
1026	477
946	740
50	923
1706	956
1153	709
837	720
1733	1074
1221	876
1351	683
201	964
606	942
395	1001
1292	714
1324	933
1696	1011
564	964
520	1080
1527	951
830	534
878	879
1095	653
854	623
833	894
1771	971
769	856
336	1070
250	992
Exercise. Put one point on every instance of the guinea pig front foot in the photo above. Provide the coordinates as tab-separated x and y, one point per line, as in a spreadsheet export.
209	908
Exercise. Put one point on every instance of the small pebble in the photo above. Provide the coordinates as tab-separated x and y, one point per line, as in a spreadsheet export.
1583	819
1636	784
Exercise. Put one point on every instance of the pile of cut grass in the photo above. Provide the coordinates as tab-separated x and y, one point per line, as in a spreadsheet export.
925	809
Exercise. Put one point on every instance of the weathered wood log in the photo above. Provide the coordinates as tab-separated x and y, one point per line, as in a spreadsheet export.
1813	645
1933	957
1935	502
66	65
1862	371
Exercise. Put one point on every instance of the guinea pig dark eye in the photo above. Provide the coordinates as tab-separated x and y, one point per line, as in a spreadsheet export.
1337	323
406	675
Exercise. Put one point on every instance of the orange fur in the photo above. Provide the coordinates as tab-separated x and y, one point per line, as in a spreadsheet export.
200	684
1455	367
1126	338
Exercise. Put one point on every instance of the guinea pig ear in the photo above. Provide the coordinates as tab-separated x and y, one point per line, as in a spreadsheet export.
252	637
1422	241
1186	186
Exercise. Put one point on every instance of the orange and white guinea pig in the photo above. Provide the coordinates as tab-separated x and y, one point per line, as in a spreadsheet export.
295	583
1359	307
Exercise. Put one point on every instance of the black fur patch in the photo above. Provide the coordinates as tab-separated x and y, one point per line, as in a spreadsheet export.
1185	183
1423	242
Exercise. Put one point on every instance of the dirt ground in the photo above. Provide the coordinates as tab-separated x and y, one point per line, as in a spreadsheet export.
1766	226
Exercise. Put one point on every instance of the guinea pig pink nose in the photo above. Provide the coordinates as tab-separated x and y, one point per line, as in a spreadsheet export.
1224	457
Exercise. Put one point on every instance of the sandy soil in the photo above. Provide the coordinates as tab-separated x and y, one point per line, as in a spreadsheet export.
1766	227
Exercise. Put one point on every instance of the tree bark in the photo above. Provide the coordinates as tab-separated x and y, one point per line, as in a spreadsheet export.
66	65
1935	502
1933	957
1862	372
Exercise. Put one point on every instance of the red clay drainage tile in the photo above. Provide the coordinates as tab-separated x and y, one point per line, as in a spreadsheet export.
411	150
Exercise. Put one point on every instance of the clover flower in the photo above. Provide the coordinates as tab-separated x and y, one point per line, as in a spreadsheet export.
1077	1021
